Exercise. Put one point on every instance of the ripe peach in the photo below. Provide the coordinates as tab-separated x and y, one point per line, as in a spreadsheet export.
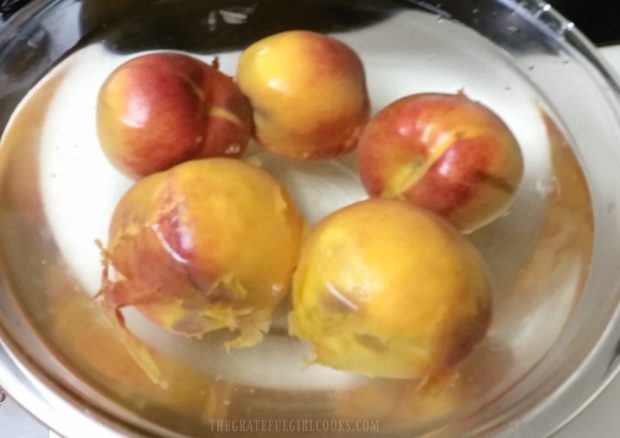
208	244
443	152
161	109
308	92
388	289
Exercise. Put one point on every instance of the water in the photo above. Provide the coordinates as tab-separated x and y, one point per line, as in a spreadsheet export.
537	254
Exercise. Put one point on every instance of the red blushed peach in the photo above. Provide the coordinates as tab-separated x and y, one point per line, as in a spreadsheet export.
206	245
308	92
161	109
443	152
388	289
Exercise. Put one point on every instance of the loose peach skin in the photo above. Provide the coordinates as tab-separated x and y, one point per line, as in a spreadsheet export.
308	92
161	109
388	289
443	152
206	245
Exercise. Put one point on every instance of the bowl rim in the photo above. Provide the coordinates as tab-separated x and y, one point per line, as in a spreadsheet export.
31	385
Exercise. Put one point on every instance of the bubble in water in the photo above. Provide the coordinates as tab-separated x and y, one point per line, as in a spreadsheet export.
545	187
234	148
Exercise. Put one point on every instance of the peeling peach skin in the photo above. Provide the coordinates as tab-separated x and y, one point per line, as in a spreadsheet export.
388	289
158	110
443	152
206	245
308	92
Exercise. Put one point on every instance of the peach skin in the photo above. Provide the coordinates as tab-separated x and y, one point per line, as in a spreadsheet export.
158	110
388	289
308	92
443	152
206	245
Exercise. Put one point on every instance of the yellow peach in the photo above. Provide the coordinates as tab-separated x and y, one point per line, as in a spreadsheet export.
158	110
443	152
308	92
388	289
208	244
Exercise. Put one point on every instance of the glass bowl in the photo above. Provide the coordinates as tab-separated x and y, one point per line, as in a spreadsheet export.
553	342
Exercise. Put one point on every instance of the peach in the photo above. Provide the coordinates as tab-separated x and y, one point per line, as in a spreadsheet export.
388	289
158	110
444	152
308	92
206	245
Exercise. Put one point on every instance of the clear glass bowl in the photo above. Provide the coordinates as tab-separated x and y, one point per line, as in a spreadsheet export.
552	345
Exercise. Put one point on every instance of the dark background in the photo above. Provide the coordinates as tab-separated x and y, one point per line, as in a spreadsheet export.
596	18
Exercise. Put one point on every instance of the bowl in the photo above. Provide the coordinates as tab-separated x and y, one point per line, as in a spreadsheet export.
553	341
